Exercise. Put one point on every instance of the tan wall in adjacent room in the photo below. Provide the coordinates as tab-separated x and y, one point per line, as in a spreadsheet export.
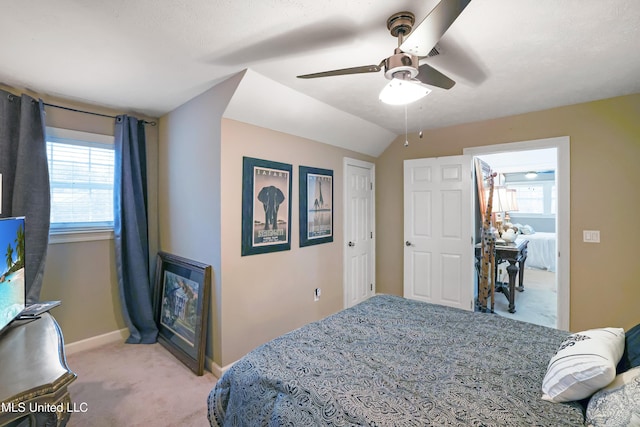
604	155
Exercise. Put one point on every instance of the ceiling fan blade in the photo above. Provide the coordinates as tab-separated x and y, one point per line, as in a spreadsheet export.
454	58
425	36
432	77
343	71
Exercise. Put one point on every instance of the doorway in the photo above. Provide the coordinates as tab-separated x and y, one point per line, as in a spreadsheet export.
560	147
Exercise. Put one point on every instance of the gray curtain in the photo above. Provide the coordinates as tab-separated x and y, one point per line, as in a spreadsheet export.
25	180
130	230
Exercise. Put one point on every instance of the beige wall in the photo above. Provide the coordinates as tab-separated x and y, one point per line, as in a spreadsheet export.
82	274
266	295
258	297
189	184
605	150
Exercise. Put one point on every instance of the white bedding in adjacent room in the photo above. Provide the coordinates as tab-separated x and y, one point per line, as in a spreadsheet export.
541	251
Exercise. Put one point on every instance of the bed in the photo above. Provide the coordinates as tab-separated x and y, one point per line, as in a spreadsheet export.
541	251
392	361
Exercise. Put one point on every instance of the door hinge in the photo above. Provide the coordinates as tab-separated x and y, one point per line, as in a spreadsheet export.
371	287
371	185
371	235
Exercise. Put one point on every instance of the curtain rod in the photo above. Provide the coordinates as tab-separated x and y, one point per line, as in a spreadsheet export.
90	112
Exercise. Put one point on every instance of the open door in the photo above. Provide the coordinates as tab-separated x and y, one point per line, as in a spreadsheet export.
438	218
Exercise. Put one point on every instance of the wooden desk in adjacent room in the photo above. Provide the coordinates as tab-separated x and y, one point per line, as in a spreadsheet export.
515	254
34	374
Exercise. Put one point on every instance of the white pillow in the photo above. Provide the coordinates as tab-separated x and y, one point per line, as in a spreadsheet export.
618	404
584	363
527	229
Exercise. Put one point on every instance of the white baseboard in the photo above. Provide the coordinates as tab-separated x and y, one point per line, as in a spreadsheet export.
97	341
215	368
121	335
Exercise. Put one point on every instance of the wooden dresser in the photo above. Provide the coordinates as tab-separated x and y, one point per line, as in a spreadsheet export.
34	374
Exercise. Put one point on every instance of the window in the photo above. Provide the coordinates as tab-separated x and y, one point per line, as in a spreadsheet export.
81	170
530	198
536	198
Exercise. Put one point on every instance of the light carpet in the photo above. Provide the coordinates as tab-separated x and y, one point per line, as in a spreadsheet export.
136	385
537	303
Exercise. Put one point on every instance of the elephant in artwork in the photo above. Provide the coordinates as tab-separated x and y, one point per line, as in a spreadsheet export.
271	198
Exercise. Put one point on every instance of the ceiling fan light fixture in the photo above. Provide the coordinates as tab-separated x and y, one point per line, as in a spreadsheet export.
531	175
402	92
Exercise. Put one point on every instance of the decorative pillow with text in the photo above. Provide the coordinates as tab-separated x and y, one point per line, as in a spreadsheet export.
584	363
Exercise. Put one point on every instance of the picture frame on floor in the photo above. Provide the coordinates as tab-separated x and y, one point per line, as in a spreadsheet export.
316	206
181	307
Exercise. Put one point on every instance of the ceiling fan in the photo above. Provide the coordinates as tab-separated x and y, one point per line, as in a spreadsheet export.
403	68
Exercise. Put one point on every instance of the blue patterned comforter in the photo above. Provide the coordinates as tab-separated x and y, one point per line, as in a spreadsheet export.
390	361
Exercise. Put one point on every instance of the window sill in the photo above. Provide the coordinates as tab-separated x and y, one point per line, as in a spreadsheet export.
82	235
515	215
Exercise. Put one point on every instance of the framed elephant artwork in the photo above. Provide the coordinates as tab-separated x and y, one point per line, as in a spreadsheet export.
266	206
316	206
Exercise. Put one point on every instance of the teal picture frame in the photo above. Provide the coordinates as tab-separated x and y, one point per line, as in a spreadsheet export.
315	205
266	206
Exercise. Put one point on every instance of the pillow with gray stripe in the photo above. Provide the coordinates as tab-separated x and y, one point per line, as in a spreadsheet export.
584	363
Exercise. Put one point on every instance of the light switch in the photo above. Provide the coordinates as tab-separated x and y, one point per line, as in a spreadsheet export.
591	236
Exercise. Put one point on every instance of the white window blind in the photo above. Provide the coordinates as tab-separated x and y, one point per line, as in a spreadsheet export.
536	198
530	198
81	170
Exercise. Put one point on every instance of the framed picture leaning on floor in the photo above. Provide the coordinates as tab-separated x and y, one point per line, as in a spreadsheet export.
181	307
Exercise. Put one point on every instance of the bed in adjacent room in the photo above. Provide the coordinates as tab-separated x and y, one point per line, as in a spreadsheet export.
541	251
393	361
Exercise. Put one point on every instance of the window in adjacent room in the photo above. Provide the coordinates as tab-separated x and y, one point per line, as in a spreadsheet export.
530	198
81	177
538	198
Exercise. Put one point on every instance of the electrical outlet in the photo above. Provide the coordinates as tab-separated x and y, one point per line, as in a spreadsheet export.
316	294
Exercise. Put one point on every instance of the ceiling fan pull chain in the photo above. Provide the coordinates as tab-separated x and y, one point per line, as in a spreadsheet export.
406	132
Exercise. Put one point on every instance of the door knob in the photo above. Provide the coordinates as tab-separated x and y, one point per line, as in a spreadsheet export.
351	244
407	243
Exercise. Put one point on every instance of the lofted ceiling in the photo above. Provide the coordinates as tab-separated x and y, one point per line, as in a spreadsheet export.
150	56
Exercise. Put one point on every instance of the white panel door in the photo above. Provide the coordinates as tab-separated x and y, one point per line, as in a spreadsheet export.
359	251
438	251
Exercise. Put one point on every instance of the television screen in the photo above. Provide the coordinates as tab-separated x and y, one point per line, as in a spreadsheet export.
12	285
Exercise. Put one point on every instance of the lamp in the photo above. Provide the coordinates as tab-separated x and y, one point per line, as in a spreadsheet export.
531	174
504	200
401	91
499	199
512	199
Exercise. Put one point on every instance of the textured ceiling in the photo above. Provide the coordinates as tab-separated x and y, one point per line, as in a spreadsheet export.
150	56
